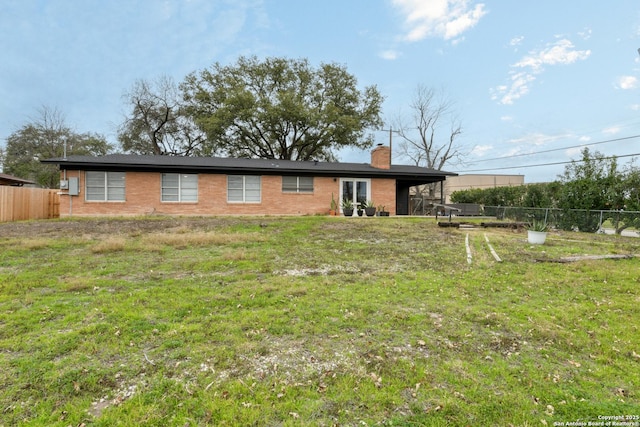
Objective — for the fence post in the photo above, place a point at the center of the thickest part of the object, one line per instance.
(600, 222)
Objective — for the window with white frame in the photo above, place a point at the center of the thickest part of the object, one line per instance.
(297, 184)
(179, 187)
(244, 189)
(101, 186)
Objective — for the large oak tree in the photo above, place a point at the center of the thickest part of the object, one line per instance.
(281, 109)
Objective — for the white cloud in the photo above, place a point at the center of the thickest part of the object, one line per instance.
(446, 19)
(560, 52)
(586, 34)
(635, 107)
(389, 54)
(512, 152)
(523, 73)
(516, 41)
(627, 82)
(611, 130)
(572, 152)
(507, 94)
(537, 139)
(481, 150)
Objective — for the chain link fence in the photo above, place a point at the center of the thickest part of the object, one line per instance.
(564, 219)
(569, 219)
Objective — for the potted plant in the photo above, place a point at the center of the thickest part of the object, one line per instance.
(347, 207)
(537, 232)
(333, 210)
(382, 211)
(369, 208)
(360, 208)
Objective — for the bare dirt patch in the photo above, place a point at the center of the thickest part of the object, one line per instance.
(119, 226)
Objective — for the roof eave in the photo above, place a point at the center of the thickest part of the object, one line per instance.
(321, 169)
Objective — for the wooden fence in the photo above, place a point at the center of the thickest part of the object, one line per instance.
(22, 203)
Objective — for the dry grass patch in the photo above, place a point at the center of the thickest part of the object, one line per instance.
(110, 244)
(27, 243)
(184, 240)
(36, 243)
(235, 255)
(76, 284)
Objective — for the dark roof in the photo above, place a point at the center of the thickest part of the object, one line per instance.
(14, 180)
(241, 166)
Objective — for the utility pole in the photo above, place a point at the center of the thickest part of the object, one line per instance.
(390, 130)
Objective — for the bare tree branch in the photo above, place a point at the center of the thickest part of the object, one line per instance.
(425, 138)
(157, 123)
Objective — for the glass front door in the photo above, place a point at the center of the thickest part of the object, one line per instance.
(356, 190)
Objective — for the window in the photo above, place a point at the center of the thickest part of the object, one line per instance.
(243, 189)
(179, 187)
(104, 186)
(297, 184)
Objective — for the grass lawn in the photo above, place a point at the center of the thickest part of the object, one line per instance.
(322, 321)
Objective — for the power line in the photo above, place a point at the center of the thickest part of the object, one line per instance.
(558, 149)
(546, 164)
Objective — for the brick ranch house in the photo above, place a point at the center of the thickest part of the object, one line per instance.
(138, 185)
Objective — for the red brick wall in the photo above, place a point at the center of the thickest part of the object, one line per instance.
(381, 157)
(143, 198)
(383, 192)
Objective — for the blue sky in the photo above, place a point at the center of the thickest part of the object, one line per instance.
(531, 81)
